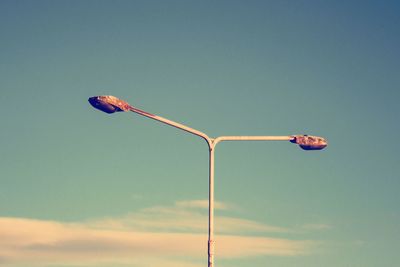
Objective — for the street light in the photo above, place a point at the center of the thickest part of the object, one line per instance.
(111, 104)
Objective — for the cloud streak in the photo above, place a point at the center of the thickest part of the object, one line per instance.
(202, 204)
(147, 238)
(184, 216)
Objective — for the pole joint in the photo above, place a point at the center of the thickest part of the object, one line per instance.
(211, 143)
(211, 245)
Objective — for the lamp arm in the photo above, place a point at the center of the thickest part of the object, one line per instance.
(172, 123)
(253, 138)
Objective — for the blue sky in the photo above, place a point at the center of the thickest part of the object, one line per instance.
(83, 188)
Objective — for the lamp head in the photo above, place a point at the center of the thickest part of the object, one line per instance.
(309, 142)
(109, 104)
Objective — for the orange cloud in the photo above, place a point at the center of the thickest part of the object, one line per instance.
(135, 240)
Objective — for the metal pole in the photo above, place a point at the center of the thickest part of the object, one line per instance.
(211, 241)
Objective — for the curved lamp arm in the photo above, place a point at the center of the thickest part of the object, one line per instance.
(306, 142)
(111, 104)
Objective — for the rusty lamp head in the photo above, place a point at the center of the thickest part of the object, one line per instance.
(109, 104)
(309, 142)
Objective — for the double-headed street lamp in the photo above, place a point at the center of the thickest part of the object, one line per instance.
(111, 104)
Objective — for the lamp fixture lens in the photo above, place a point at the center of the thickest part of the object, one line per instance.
(309, 142)
(109, 104)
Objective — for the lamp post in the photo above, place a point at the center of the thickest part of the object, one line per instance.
(111, 104)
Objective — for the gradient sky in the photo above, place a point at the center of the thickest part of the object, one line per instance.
(82, 188)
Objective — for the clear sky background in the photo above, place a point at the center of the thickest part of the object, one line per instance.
(82, 188)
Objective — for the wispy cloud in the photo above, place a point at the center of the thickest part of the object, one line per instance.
(184, 216)
(158, 236)
(202, 204)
